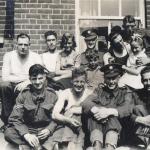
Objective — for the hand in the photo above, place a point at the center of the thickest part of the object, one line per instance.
(32, 139)
(21, 86)
(44, 134)
(74, 122)
(144, 120)
(142, 61)
(69, 113)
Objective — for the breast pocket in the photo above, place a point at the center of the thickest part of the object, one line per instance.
(29, 112)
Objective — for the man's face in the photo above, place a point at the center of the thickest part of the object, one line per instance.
(146, 80)
(38, 82)
(79, 84)
(90, 43)
(118, 42)
(111, 82)
(129, 28)
(51, 42)
(23, 45)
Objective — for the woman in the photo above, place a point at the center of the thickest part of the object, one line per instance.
(66, 59)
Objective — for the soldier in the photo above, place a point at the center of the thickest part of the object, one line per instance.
(90, 37)
(30, 124)
(142, 111)
(105, 107)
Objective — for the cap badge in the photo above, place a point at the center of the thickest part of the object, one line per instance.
(89, 31)
(110, 67)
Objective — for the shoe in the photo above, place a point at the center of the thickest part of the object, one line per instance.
(2, 129)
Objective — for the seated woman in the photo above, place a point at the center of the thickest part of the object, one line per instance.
(68, 112)
(132, 77)
(66, 59)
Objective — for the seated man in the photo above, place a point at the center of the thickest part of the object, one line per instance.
(70, 135)
(15, 69)
(142, 111)
(104, 108)
(30, 124)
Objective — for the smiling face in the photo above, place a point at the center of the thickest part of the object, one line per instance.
(23, 45)
(51, 42)
(91, 43)
(111, 82)
(136, 47)
(79, 84)
(146, 80)
(38, 81)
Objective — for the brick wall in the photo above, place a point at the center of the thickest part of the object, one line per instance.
(35, 17)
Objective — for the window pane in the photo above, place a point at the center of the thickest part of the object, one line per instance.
(88, 7)
(130, 7)
(110, 7)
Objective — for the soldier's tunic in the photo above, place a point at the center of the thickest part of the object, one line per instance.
(120, 98)
(31, 114)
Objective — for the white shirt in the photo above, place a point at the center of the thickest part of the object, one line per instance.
(15, 69)
(50, 60)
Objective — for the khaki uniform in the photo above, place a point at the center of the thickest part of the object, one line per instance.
(31, 114)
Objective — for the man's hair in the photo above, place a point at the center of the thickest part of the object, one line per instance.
(36, 69)
(79, 72)
(65, 38)
(128, 19)
(48, 33)
(145, 70)
(23, 35)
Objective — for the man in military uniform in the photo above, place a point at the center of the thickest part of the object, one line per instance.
(30, 124)
(141, 113)
(105, 107)
(90, 37)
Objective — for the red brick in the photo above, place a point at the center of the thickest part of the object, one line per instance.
(33, 1)
(56, 11)
(21, 1)
(33, 31)
(45, 11)
(2, 4)
(33, 5)
(33, 11)
(22, 21)
(44, 21)
(44, 26)
(45, 5)
(45, 1)
(44, 16)
(33, 21)
(67, 11)
(56, 21)
(56, 6)
(21, 10)
(32, 26)
(68, 1)
(67, 21)
(56, 17)
(33, 16)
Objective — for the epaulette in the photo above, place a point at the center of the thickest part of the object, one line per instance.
(127, 88)
(25, 89)
(51, 90)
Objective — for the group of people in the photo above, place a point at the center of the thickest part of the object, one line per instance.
(63, 100)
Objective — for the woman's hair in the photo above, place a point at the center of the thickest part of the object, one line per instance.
(65, 38)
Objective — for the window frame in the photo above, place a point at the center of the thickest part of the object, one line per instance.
(78, 17)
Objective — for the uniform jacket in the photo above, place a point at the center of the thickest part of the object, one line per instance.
(120, 98)
(33, 111)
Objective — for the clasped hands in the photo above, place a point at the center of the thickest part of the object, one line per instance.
(102, 113)
(33, 139)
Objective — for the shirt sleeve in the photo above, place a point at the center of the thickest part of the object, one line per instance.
(16, 117)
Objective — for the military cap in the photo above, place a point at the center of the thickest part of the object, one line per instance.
(89, 34)
(112, 70)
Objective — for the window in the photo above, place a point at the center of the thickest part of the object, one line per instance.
(104, 14)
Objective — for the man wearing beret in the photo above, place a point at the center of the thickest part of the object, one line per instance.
(141, 113)
(105, 107)
(90, 37)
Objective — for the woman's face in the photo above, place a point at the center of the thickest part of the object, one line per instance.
(68, 46)
(136, 47)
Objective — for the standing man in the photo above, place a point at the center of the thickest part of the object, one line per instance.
(90, 37)
(30, 124)
(105, 107)
(15, 69)
(50, 57)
